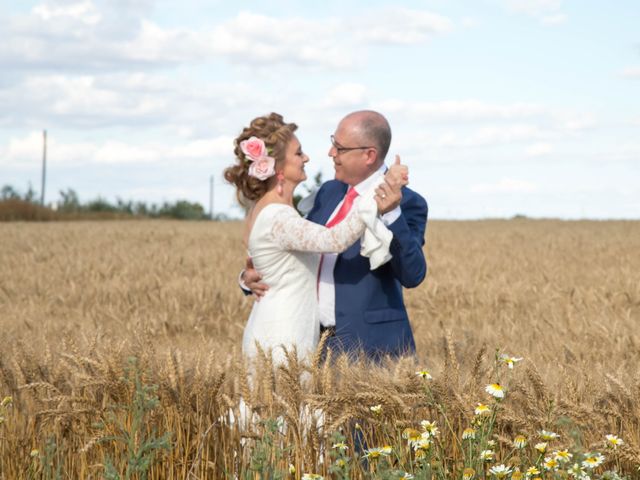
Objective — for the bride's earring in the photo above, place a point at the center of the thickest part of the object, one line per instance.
(280, 182)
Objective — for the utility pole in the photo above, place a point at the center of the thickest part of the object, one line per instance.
(44, 164)
(211, 198)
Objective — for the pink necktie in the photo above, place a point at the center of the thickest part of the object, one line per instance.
(344, 208)
(339, 216)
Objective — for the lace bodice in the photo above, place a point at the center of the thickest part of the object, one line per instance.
(285, 250)
(293, 232)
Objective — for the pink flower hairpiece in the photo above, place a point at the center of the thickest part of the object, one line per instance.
(255, 151)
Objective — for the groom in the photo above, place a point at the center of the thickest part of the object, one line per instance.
(362, 308)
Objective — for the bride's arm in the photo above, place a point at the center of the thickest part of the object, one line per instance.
(292, 232)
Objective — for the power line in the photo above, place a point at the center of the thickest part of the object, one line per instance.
(44, 165)
(211, 197)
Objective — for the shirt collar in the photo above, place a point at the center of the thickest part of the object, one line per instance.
(371, 180)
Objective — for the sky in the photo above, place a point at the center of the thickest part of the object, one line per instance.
(498, 107)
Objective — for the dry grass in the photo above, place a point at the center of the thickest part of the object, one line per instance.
(78, 299)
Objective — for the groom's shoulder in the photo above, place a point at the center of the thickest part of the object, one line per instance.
(414, 198)
(331, 186)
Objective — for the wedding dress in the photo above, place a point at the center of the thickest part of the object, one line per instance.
(285, 249)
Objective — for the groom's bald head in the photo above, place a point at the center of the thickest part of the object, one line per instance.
(359, 145)
(371, 128)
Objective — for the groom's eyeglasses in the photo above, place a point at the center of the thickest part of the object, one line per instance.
(340, 149)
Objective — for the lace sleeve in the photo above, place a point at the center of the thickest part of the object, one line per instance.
(292, 232)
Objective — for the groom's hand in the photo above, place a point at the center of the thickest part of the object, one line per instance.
(389, 194)
(251, 278)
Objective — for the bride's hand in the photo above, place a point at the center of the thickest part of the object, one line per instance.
(389, 194)
(397, 174)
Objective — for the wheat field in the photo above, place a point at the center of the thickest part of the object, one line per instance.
(119, 343)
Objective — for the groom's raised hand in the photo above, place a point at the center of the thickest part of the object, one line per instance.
(251, 279)
(389, 194)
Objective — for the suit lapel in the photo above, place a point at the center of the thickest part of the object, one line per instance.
(330, 202)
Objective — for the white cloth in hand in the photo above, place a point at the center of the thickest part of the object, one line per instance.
(376, 239)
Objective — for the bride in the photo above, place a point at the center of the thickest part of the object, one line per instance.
(284, 247)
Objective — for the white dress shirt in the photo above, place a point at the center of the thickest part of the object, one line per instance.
(326, 285)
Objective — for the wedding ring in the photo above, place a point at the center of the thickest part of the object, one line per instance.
(384, 195)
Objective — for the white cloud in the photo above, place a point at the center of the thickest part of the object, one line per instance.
(505, 185)
(631, 72)
(154, 44)
(346, 96)
(547, 11)
(252, 38)
(95, 43)
(625, 152)
(534, 7)
(84, 12)
(462, 110)
(474, 123)
(489, 136)
(118, 152)
(23, 151)
(26, 152)
(400, 26)
(221, 146)
(259, 39)
(556, 19)
(575, 122)
(469, 22)
(538, 150)
(78, 101)
(493, 135)
(91, 36)
(94, 101)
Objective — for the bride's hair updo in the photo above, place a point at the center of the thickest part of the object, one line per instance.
(276, 135)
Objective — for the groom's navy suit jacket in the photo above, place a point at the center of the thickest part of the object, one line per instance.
(370, 310)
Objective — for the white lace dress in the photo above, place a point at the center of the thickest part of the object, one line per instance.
(285, 249)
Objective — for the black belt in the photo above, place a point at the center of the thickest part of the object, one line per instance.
(331, 330)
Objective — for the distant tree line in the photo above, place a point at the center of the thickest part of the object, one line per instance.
(15, 205)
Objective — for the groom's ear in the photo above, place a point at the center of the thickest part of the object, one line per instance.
(372, 156)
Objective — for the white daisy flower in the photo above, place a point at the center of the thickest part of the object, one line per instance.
(430, 428)
(614, 441)
(593, 460)
(487, 455)
(576, 471)
(532, 471)
(482, 409)
(500, 471)
(468, 434)
(423, 443)
(563, 456)
(495, 389)
(520, 441)
(377, 452)
(550, 463)
(547, 435)
(541, 446)
(509, 360)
